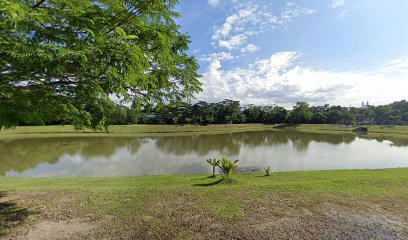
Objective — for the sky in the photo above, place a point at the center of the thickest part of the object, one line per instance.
(263, 52)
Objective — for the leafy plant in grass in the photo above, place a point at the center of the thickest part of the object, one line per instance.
(267, 170)
(214, 163)
(227, 166)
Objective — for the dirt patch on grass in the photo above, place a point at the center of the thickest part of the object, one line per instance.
(184, 214)
(48, 230)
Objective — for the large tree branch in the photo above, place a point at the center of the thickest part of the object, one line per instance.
(38, 3)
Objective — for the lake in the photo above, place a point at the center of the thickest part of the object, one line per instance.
(134, 156)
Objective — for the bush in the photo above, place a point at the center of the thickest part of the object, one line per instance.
(227, 166)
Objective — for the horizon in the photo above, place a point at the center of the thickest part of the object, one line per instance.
(262, 52)
(365, 103)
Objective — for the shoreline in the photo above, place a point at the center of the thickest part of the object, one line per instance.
(252, 171)
(29, 132)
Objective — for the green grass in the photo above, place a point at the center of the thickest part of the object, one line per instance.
(164, 203)
(130, 130)
(373, 131)
(178, 130)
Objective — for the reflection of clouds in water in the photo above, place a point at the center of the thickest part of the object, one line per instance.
(148, 160)
(283, 151)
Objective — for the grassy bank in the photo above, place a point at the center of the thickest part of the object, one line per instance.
(374, 131)
(313, 205)
(174, 130)
(131, 130)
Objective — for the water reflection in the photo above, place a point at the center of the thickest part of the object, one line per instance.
(123, 156)
(20, 155)
(230, 144)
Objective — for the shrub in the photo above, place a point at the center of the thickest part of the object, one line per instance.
(227, 166)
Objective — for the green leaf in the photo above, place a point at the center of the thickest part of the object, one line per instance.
(131, 37)
(120, 31)
(91, 32)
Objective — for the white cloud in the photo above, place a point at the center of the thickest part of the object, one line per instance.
(251, 19)
(340, 6)
(280, 80)
(238, 19)
(337, 4)
(397, 66)
(292, 11)
(214, 3)
(250, 48)
(216, 56)
(233, 42)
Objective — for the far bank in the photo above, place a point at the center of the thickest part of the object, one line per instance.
(374, 131)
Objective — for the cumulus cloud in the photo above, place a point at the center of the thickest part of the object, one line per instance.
(279, 79)
(250, 48)
(251, 19)
(216, 56)
(233, 42)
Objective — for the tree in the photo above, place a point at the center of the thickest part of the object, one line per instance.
(229, 111)
(61, 58)
(348, 118)
(252, 114)
(134, 113)
(301, 113)
(276, 115)
(118, 115)
(334, 116)
(319, 118)
(203, 112)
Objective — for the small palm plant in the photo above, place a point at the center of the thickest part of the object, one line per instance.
(214, 163)
(227, 166)
(267, 170)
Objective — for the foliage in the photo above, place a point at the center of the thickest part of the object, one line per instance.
(62, 60)
(214, 163)
(276, 115)
(227, 166)
(253, 114)
(301, 113)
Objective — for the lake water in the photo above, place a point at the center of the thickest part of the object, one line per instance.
(131, 156)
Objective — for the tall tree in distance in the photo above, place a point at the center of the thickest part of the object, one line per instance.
(63, 59)
(301, 113)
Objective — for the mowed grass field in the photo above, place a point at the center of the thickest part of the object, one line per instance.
(349, 204)
(172, 130)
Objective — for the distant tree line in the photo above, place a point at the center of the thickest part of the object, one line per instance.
(232, 112)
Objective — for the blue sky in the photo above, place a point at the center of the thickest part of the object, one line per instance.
(280, 52)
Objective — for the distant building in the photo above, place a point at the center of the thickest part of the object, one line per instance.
(365, 105)
(320, 108)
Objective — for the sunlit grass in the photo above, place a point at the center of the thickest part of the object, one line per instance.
(169, 202)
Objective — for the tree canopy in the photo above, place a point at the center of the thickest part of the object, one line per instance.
(63, 60)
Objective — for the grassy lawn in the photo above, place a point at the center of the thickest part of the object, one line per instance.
(131, 130)
(350, 204)
(374, 131)
(174, 130)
